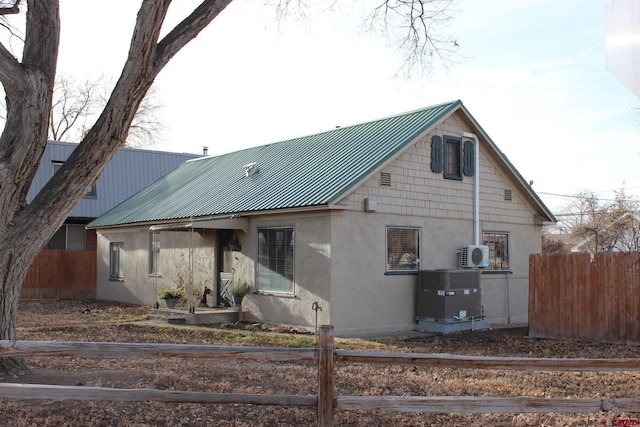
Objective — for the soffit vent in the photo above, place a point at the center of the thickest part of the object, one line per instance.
(507, 195)
(385, 179)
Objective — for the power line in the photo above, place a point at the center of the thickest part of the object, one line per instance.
(578, 196)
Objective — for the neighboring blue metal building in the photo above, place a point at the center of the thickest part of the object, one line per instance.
(130, 171)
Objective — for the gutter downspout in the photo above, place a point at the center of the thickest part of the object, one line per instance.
(476, 187)
(476, 209)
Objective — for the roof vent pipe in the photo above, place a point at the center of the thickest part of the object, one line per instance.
(250, 169)
(205, 150)
(476, 186)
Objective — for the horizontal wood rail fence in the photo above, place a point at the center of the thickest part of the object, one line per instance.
(325, 402)
(574, 296)
(60, 274)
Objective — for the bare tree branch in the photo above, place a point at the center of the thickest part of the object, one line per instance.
(416, 28)
(28, 83)
(29, 86)
(73, 103)
(606, 226)
(187, 30)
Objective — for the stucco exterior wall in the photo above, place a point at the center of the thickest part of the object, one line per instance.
(340, 253)
(313, 265)
(443, 210)
(138, 286)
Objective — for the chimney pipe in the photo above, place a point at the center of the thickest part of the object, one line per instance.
(205, 150)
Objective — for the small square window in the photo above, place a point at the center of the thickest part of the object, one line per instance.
(498, 244)
(92, 193)
(403, 249)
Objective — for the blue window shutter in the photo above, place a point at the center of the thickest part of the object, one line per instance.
(468, 167)
(437, 164)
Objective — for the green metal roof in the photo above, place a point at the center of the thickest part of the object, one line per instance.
(314, 170)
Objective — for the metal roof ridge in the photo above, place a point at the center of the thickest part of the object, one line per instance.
(451, 104)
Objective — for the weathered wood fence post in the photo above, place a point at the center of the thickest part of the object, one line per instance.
(326, 386)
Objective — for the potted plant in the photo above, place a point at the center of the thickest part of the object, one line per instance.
(171, 296)
(238, 291)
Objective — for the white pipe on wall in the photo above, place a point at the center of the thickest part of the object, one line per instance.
(476, 186)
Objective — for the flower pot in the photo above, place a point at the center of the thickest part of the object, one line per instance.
(171, 302)
(237, 300)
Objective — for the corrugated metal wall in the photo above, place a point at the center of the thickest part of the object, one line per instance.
(130, 171)
(571, 296)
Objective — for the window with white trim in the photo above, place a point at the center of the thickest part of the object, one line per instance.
(275, 266)
(498, 244)
(403, 249)
(116, 260)
(154, 253)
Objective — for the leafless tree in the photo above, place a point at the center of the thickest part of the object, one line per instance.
(73, 103)
(551, 245)
(76, 104)
(28, 79)
(605, 226)
(416, 29)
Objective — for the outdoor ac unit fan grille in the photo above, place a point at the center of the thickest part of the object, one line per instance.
(474, 256)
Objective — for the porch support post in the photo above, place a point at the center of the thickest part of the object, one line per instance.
(190, 295)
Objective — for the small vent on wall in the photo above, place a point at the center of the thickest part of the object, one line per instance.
(385, 179)
(507, 194)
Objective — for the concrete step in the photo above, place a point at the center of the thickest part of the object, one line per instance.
(201, 316)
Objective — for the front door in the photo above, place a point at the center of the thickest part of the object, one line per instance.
(225, 268)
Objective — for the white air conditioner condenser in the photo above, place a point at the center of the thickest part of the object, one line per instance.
(474, 256)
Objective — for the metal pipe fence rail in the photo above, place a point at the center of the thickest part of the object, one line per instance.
(326, 402)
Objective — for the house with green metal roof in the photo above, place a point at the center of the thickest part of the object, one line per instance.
(350, 220)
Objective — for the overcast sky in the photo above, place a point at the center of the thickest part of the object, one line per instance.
(532, 72)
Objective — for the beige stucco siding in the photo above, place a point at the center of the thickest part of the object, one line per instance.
(313, 257)
(340, 252)
(443, 209)
(138, 286)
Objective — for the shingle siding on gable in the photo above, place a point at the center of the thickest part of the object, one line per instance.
(417, 191)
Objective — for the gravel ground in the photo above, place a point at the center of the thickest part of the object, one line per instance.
(101, 321)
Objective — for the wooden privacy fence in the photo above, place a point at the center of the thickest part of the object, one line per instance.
(59, 274)
(325, 402)
(573, 296)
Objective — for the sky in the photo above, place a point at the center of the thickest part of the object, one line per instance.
(531, 72)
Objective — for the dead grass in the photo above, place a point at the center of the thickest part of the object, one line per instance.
(98, 321)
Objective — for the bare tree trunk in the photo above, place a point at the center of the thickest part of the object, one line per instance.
(28, 85)
(13, 271)
(25, 229)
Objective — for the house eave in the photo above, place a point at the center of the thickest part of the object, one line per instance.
(236, 221)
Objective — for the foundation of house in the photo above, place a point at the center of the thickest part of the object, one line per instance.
(200, 315)
(450, 325)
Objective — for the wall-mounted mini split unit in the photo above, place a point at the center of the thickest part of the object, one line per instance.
(474, 256)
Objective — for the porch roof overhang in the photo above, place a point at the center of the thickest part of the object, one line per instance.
(208, 223)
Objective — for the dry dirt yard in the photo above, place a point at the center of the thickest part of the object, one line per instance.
(100, 321)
